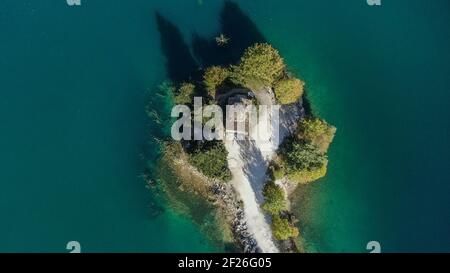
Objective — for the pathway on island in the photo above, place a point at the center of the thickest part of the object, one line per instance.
(248, 162)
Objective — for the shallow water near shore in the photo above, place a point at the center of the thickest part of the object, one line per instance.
(75, 137)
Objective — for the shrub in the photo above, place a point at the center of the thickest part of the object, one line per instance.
(274, 198)
(289, 91)
(276, 171)
(307, 176)
(317, 132)
(300, 156)
(261, 65)
(303, 161)
(214, 78)
(185, 93)
(276, 168)
(211, 160)
(282, 229)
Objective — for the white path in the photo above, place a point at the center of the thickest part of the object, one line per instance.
(248, 162)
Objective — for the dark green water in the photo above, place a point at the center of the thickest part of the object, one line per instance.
(75, 82)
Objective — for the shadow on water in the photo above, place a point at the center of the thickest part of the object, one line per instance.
(307, 105)
(237, 26)
(180, 64)
(208, 52)
(240, 28)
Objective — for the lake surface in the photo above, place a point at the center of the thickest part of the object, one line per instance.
(75, 137)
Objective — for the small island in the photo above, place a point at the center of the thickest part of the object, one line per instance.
(249, 181)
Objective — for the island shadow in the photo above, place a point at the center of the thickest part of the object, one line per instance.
(180, 64)
(238, 27)
(307, 105)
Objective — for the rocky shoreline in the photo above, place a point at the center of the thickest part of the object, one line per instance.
(229, 202)
(219, 194)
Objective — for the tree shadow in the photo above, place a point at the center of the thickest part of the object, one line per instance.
(180, 64)
(255, 167)
(237, 26)
(241, 30)
(208, 53)
(307, 105)
(289, 116)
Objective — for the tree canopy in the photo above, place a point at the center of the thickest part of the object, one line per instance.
(306, 176)
(317, 132)
(274, 198)
(261, 65)
(185, 93)
(301, 156)
(303, 161)
(214, 77)
(282, 229)
(289, 90)
(211, 160)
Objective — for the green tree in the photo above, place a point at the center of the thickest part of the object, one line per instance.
(274, 198)
(289, 91)
(317, 132)
(214, 78)
(185, 93)
(282, 229)
(211, 160)
(261, 65)
(307, 176)
(303, 161)
(276, 170)
(299, 155)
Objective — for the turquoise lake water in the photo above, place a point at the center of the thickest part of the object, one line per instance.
(74, 134)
